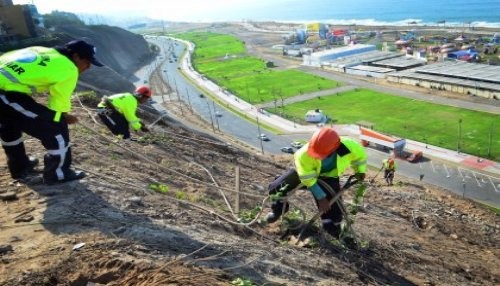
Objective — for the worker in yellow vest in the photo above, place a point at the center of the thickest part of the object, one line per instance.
(118, 111)
(35, 70)
(389, 165)
(326, 156)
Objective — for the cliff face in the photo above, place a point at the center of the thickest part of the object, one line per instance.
(121, 51)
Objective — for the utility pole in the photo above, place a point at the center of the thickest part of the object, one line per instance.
(189, 100)
(490, 140)
(459, 134)
(260, 139)
(216, 118)
(178, 97)
(210, 113)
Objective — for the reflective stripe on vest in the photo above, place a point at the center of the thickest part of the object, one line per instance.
(15, 80)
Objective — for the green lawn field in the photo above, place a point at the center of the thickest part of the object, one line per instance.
(221, 59)
(406, 118)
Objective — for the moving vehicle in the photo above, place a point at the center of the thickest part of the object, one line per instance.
(297, 144)
(264, 137)
(287, 150)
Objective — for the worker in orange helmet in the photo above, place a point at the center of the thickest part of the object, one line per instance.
(118, 111)
(325, 156)
(390, 167)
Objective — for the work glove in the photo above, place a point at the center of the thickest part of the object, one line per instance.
(144, 128)
(360, 177)
(70, 119)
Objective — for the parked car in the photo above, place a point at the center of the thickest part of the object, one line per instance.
(287, 150)
(218, 114)
(297, 144)
(264, 137)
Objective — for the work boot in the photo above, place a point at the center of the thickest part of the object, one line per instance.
(350, 243)
(278, 208)
(32, 163)
(69, 175)
(332, 229)
(272, 217)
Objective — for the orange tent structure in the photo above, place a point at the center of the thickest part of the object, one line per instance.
(370, 136)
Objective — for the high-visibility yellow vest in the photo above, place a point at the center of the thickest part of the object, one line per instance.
(40, 69)
(309, 168)
(386, 165)
(126, 104)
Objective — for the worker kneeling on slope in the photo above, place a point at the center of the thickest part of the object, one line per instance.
(325, 157)
(390, 167)
(35, 70)
(118, 111)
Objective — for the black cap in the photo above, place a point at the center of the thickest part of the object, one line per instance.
(84, 50)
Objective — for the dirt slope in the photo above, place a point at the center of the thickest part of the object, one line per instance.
(121, 51)
(184, 234)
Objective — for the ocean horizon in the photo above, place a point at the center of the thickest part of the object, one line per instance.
(456, 13)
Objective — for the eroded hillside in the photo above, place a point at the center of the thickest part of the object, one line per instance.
(158, 211)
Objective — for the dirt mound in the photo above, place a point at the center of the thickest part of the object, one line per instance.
(122, 52)
(159, 211)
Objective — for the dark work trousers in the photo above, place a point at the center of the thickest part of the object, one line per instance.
(388, 175)
(285, 183)
(20, 113)
(115, 121)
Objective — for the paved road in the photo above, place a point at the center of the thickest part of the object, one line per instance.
(227, 122)
(468, 182)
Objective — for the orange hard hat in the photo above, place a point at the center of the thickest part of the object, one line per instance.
(144, 91)
(390, 161)
(323, 143)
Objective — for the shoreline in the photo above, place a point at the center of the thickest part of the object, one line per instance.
(360, 27)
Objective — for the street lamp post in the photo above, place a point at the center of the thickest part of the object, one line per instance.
(215, 115)
(459, 134)
(260, 139)
(210, 114)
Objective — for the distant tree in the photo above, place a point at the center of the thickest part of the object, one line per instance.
(59, 18)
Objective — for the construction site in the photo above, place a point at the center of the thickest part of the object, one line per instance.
(184, 206)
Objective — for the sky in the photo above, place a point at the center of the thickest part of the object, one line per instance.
(184, 10)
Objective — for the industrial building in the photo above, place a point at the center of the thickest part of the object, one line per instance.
(18, 21)
(454, 76)
(319, 58)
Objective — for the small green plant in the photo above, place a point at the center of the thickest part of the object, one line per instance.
(242, 282)
(279, 194)
(159, 188)
(180, 195)
(313, 243)
(249, 215)
(293, 218)
(88, 98)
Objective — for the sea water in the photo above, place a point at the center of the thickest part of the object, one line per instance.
(473, 13)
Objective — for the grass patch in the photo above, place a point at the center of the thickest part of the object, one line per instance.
(223, 59)
(408, 118)
(212, 45)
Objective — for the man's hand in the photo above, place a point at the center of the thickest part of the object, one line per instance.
(70, 119)
(144, 128)
(360, 176)
(323, 205)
